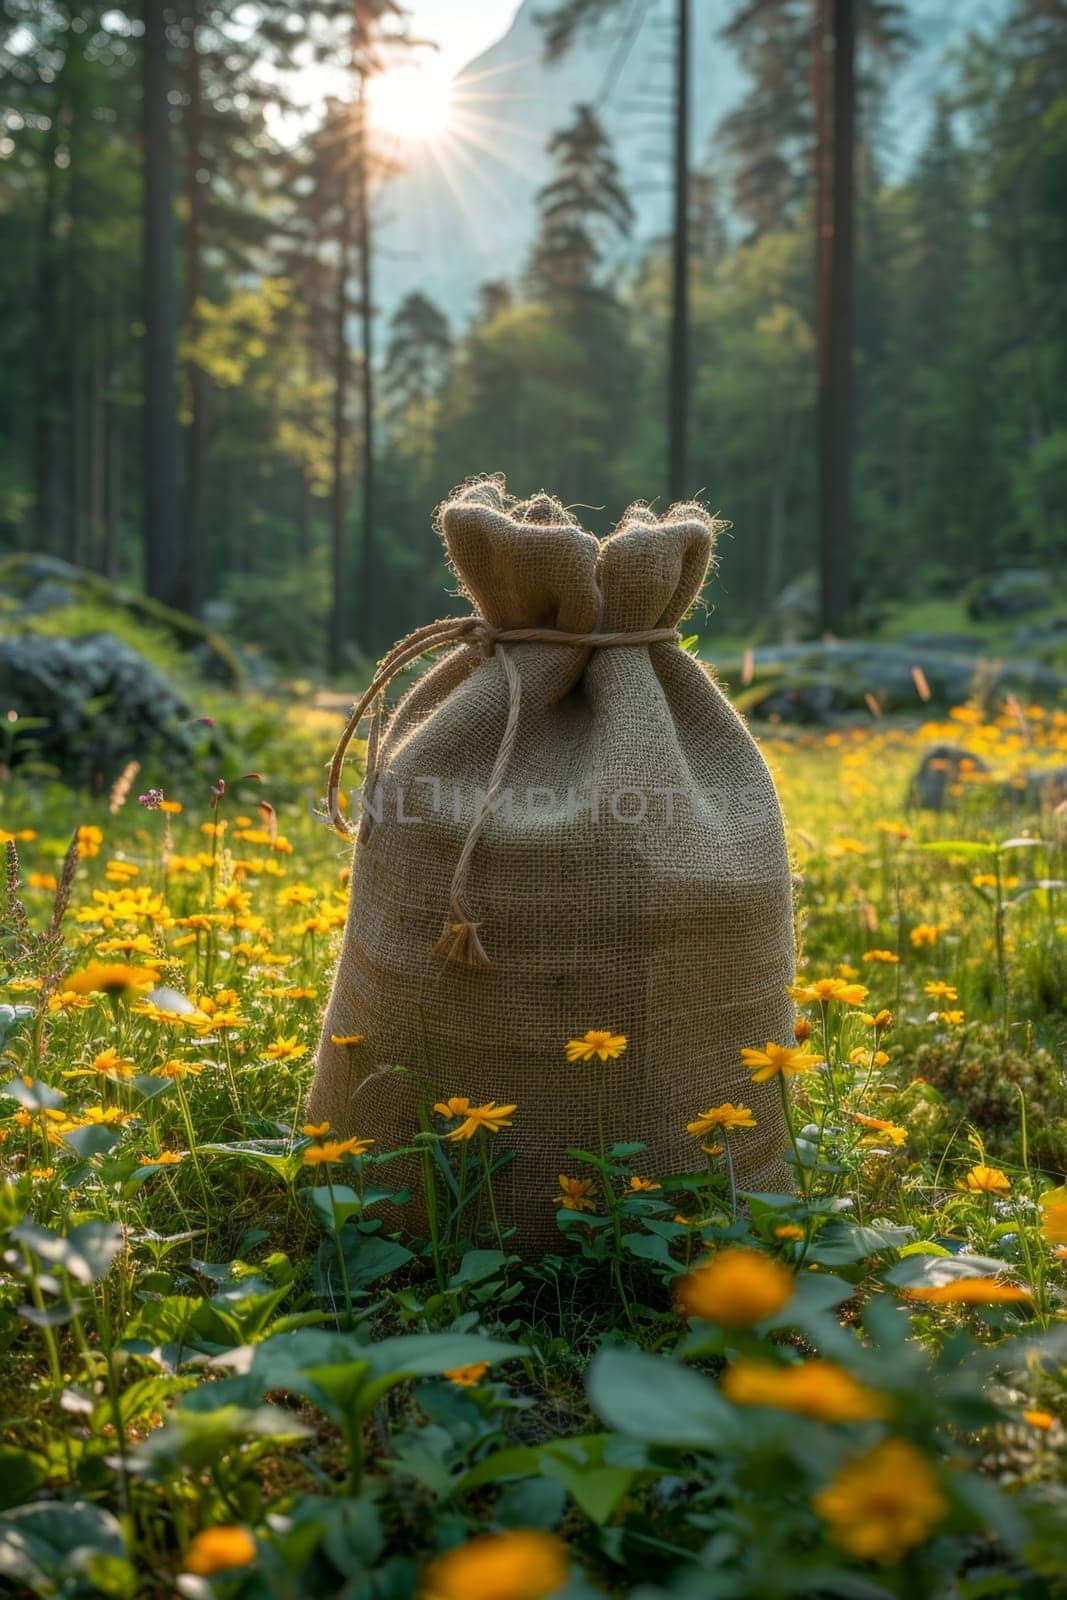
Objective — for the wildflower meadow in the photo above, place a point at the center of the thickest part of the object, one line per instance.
(231, 1369)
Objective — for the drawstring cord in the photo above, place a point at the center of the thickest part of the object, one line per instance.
(459, 940)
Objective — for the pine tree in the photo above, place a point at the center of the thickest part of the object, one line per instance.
(420, 348)
(772, 135)
(582, 208)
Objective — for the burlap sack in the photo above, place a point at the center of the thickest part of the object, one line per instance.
(632, 875)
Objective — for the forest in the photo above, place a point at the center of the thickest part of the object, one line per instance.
(202, 394)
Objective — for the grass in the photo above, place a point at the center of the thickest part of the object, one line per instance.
(224, 1376)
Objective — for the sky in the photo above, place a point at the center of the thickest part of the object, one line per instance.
(462, 28)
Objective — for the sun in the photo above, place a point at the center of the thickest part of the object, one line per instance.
(411, 103)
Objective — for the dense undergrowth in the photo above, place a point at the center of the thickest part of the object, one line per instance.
(222, 1375)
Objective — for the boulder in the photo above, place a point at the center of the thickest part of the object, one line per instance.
(101, 704)
(821, 681)
(942, 768)
(1009, 594)
(40, 583)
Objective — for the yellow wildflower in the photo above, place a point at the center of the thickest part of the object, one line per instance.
(970, 1292)
(880, 1130)
(111, 1065)
(778, 1059)
(456, 1106)
(926, 933)
(882, 1504)
(827, 991)
(468, 1377)
(320, 1155)
(726, 1116)
(114, 978)
(736, 1289)
(491, 1117)
(575, 1193)
(816, 1389)
(521, 1564)
(1054, 1215)
(880, 1021)
(219, 1550)
(88, 839)
(178, 1069)
(285, 1049)
(598, 1043)
(643, 1185)
(937, 989)
(886, 957)
(986, 1180)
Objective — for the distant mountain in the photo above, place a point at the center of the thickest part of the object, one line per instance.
(463, 211)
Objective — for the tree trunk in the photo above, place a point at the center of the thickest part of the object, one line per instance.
(776, 531)
(98, 434)
(160, 401)
(339, 608)
(304, 524)
(112, 553)
(678, 378)
(77, 442)
(834, 392)
(368, 563)
(191, 586)
(47, 469)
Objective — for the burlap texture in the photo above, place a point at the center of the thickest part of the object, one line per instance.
(675, 932)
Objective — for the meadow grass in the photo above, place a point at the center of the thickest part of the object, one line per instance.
(223, 1375)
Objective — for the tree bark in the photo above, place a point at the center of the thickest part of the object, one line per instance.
(160, 535)
(47, 471)
(368, 562)
(112, 552)
(191, 584)
(834, 413)
(678, 376)
(341, 366)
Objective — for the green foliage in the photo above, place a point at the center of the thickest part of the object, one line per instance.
(227, 1372)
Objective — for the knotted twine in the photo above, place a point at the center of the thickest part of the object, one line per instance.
(459, 940)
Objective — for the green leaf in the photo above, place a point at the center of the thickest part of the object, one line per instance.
(657, 1400)
(44, 1544)
(265, 1155)
(86, 1252)
(333, 1206)
(21, 1472)
(33, 1096)
(196, 1439)
(95, 1139)
(651, 1247)
(478, 1265)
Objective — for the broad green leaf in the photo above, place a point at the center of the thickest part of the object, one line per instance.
(196, 1439)
(86, 1252)
(657, 1400)
(478, 1265)
(95, 1139)
(33, 1096)
(267, 1155)
(21, 1472)
(42, 1545)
